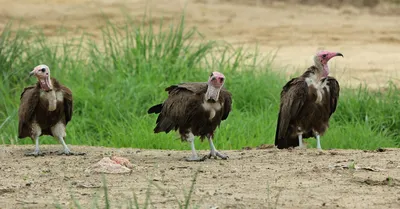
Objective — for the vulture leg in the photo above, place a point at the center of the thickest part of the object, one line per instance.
(66, 150)
(37, 150)
(36, 132)
(194, 156)
(214, 152)
(318, 142)
(59, 132)
(300, 140)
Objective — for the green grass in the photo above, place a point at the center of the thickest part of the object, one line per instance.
(114, 83)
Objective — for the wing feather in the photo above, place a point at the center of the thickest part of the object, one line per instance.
(29, 100)
(227, 102)
(68, 103)
(195, 87)
(293, 96)
(334, 89)
(183, 100)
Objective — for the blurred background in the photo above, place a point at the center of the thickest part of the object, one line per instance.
(367, 32)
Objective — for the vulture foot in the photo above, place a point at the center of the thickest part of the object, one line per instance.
(194, 159)
(68, 153)
(216, 154)
(34, 154)
(300, 147)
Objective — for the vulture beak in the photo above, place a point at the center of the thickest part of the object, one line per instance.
(32, 73)
(339, 54)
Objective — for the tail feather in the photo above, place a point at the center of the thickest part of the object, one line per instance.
(282, 133)
(164, 125)
(155, 109)
(291, 140)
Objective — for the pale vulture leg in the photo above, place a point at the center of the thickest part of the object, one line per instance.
(318, 142)
(36, 152)
(214, 152)
(300, 136)
(36, 132)
(59, 132)
(194, 156)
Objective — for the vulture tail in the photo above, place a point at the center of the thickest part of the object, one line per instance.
(155, 109)
(282, 129)
(164, 125)
(284, 134)
(278, 141)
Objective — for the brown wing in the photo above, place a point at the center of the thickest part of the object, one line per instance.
(293, 96)
(29, 100)
(68, 103)
(175, 89)
(182, 102)
(334, 89)
(195, 87)
(227, 103)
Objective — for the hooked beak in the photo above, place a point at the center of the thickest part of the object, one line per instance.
(32, 73)
(339, 54)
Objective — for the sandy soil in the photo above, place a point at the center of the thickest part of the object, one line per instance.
(369, 37)
(265, 178)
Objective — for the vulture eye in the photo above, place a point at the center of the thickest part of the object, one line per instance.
(324, 55)
(43, 69)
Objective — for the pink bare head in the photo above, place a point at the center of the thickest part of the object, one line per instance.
(216, 79)
(325, 56)
(321, 61)
(40, 71)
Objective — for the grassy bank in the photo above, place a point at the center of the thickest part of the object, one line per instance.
(115, 84)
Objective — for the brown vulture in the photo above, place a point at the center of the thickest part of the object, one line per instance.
(45, 109)
(307, 102)
(195, 109)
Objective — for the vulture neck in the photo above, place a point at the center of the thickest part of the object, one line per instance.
(46, 84)
(212, 93)
(322, 69)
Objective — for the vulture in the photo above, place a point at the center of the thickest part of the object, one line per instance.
(195, 109)
(45, 109)
(306, 104)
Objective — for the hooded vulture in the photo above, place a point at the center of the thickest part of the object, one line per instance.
(195, 109)
(307, 103)
(45, 109)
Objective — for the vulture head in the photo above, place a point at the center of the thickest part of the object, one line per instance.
(321, 60)
(42, 73)
(215, 83)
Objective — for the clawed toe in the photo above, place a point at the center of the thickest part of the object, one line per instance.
(224, 157)
(194, 159)
(216, 155)
(209, 156)
(300, 147)
(34, 154)
(69, 153)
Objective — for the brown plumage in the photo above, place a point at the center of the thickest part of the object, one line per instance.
(307, 103)
(194, 109)
(45, 109)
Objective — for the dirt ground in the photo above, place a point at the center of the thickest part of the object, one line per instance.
(265, 178)
(367, 33)
(368, 37)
